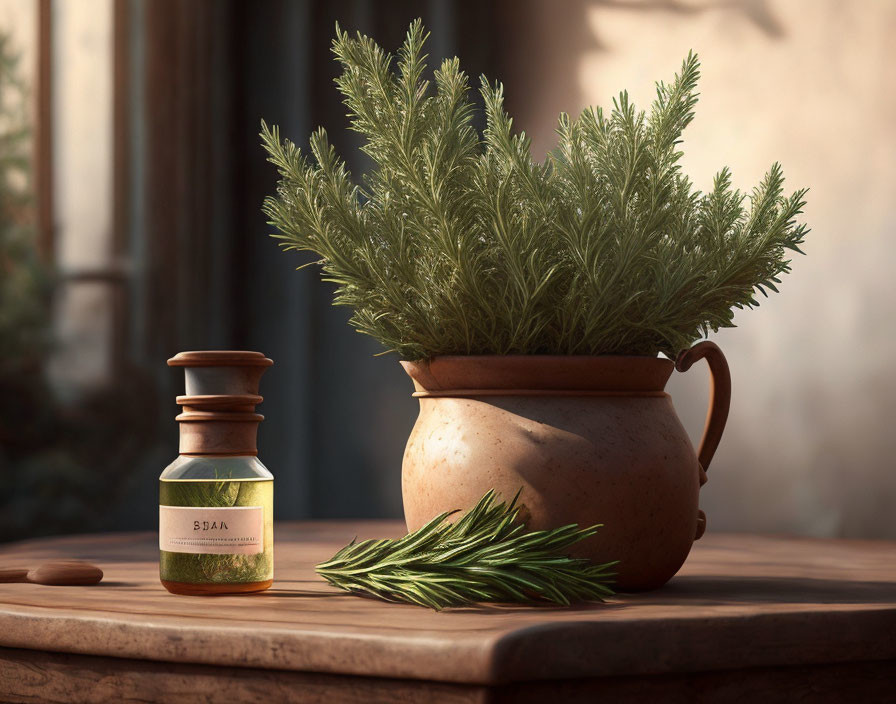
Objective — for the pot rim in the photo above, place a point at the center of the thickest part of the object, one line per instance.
(568, 374)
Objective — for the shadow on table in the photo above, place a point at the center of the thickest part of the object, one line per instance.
(683, 591)
(726, 590)
(719, 590)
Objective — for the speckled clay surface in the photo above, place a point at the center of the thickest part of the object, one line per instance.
(600, 444)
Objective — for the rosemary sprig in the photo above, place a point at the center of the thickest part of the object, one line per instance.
(484, 556)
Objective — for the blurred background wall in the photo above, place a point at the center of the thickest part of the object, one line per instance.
(144, 186)
(809, 446)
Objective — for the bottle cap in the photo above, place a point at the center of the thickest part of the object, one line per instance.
(218, 415)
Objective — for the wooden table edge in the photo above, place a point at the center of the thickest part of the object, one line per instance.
(680, 645)
(602, 648)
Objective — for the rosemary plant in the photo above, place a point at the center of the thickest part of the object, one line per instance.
(485, 556)
(459, 243)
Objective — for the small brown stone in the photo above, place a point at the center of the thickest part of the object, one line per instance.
(66, 573)
(11, 574)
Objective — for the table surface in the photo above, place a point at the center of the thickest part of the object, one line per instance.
(740, 601)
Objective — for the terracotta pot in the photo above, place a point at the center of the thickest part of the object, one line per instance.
(587, 439)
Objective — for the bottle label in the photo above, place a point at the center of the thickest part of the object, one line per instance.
(235, 530)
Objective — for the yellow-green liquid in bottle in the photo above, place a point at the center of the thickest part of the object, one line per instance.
(216, 534)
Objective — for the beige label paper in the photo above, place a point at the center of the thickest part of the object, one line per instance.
(235, 530)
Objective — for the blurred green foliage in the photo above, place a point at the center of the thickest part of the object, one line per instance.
(25, 285)
(61, 464)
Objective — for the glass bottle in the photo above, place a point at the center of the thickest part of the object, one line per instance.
(216, 499)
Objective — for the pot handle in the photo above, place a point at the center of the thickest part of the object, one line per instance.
(717, 415)
(719, 397)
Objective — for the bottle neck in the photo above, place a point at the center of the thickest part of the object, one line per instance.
(219, 425)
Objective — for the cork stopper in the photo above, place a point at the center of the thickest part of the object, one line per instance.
(219, 415)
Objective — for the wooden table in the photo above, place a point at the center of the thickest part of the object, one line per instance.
(749, 618)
